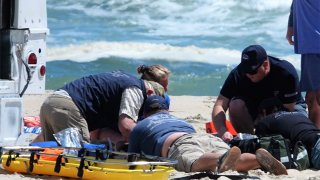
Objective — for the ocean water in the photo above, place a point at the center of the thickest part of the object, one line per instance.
(200, 41)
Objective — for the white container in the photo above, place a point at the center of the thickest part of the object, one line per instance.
(11, 122)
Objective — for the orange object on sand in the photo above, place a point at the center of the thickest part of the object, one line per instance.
(211, 129)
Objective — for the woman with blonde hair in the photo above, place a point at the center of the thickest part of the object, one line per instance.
(156, 73)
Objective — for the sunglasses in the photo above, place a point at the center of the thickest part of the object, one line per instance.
(253, 72)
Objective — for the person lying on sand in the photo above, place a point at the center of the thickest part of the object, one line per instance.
(161, 134)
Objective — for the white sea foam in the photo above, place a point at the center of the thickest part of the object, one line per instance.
(182, 18)
(147, 51)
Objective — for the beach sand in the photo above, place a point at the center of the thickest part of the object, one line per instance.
(195, 109)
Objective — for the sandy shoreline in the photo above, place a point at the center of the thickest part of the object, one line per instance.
(195, 109)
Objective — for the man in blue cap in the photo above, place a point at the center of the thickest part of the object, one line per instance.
(162, 134)
(256, 78)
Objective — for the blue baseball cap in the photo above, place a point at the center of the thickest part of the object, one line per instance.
(154, 103)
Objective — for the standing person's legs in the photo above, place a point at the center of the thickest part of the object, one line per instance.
(313, 106)
(240, 115)
(310, 82)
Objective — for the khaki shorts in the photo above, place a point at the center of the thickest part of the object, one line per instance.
(58, 113)
(190, 147)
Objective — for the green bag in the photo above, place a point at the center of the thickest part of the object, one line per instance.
(300, 156)
(279, 148)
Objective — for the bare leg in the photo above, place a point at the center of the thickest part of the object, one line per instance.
(247, 162)
(210, 161)
(313, 102)
(207, 162)
(239, 116)
(234, 160)
(262, 159)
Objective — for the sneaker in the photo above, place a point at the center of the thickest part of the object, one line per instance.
(228, 160)
(269, 163)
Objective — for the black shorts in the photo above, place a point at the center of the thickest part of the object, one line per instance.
(251, 106)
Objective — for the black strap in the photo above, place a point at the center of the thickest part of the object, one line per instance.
(216, 176)
(98, 154)
(80, 169)
(275, 149)
(31, 161)
(291, 161)
(57, 167)
(9, 158)
(132, 158)
(82, 152)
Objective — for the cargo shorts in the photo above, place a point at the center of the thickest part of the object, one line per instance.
(190, 147)
(60, 112)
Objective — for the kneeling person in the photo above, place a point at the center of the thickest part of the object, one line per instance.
(161, 134)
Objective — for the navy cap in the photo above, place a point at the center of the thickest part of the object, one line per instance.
(154, 103)
(252, 58)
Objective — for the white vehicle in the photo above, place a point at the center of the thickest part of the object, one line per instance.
(23, 32)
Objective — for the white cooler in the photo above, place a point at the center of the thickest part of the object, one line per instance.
(11, 122)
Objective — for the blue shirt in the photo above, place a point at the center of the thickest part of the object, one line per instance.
(149, 135)
(306, 24)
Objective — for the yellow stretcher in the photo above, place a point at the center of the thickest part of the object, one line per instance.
(118, 165)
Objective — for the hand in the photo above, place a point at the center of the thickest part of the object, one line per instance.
(289, 35)
(227, 136)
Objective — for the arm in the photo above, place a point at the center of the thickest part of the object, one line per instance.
(125, 125)
(219, 117)
(131, 102)
(290, 32)
(289, 92)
